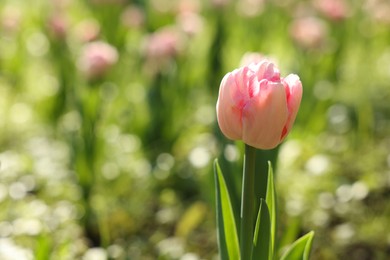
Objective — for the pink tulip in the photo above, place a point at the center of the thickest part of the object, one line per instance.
(257, 106)
(58, 26)
(250, 8)
(10, 19)
(161, 48)
(336, 10)
(309, 32)
(87, 30)
(96, 58)
(191, 23)
(164, 43)
(133, 17)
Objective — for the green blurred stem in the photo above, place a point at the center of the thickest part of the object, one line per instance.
(247, 203)
(89, 105)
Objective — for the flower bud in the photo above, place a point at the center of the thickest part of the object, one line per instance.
(257, 106)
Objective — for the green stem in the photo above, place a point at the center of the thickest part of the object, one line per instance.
(247, 203)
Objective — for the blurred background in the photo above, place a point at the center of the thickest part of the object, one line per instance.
(108, 130)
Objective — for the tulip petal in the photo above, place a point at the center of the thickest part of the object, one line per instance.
(228, 114)
(293, 87)
(265, 116)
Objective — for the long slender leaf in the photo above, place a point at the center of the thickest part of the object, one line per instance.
(262, 159)
(300, 249)
(44, 245)
(227, 229)
(290, 234)
(271, 203)
(262, 234)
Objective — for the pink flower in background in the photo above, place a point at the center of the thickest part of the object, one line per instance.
(58, 26)
(11, 18)
(133, 17)
(192, 6)
(57, 22)
(87, 30)
(250, 8)
(257, 106)
(188, 17)
(309, 32)
(164, 43)
(161, 48)
(334, 9)
(190, 22)
(97, 58)
(220, 3)
(60, 4)
(379, 10)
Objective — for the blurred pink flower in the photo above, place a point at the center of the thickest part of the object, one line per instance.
(11, 18)
(58, 26)
(257, 106)
(190, 22)
(333, 9)
(165, 43)
(96, 58)
(87, 30)
(250, 8)
(60, 4)
(161, 47)
(309, 32)
(133, 17)
(193, 6)
(379, 10)
(220, 3)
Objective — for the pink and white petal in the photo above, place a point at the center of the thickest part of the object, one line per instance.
(294, 86)
(228, 113)
(264, 117)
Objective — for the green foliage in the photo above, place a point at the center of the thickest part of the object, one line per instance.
(262, 239)
(264, 232)
(300, 249)
(226, 224)
(270, 202)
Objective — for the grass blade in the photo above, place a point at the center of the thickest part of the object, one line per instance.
(262, 234)
(271, 203)
(300, 249)
(226, 224)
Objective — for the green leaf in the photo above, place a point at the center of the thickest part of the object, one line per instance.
(300, 249)
(226, 226)
(271, 203)
(44, 246)
(262, 234)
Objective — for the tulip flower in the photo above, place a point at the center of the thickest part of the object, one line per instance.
(258, 106)
(309, 32)
(336, 10)
(96, 58)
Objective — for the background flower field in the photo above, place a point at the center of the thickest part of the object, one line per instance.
(107, 151)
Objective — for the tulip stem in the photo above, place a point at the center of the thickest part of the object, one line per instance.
(247, 203)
